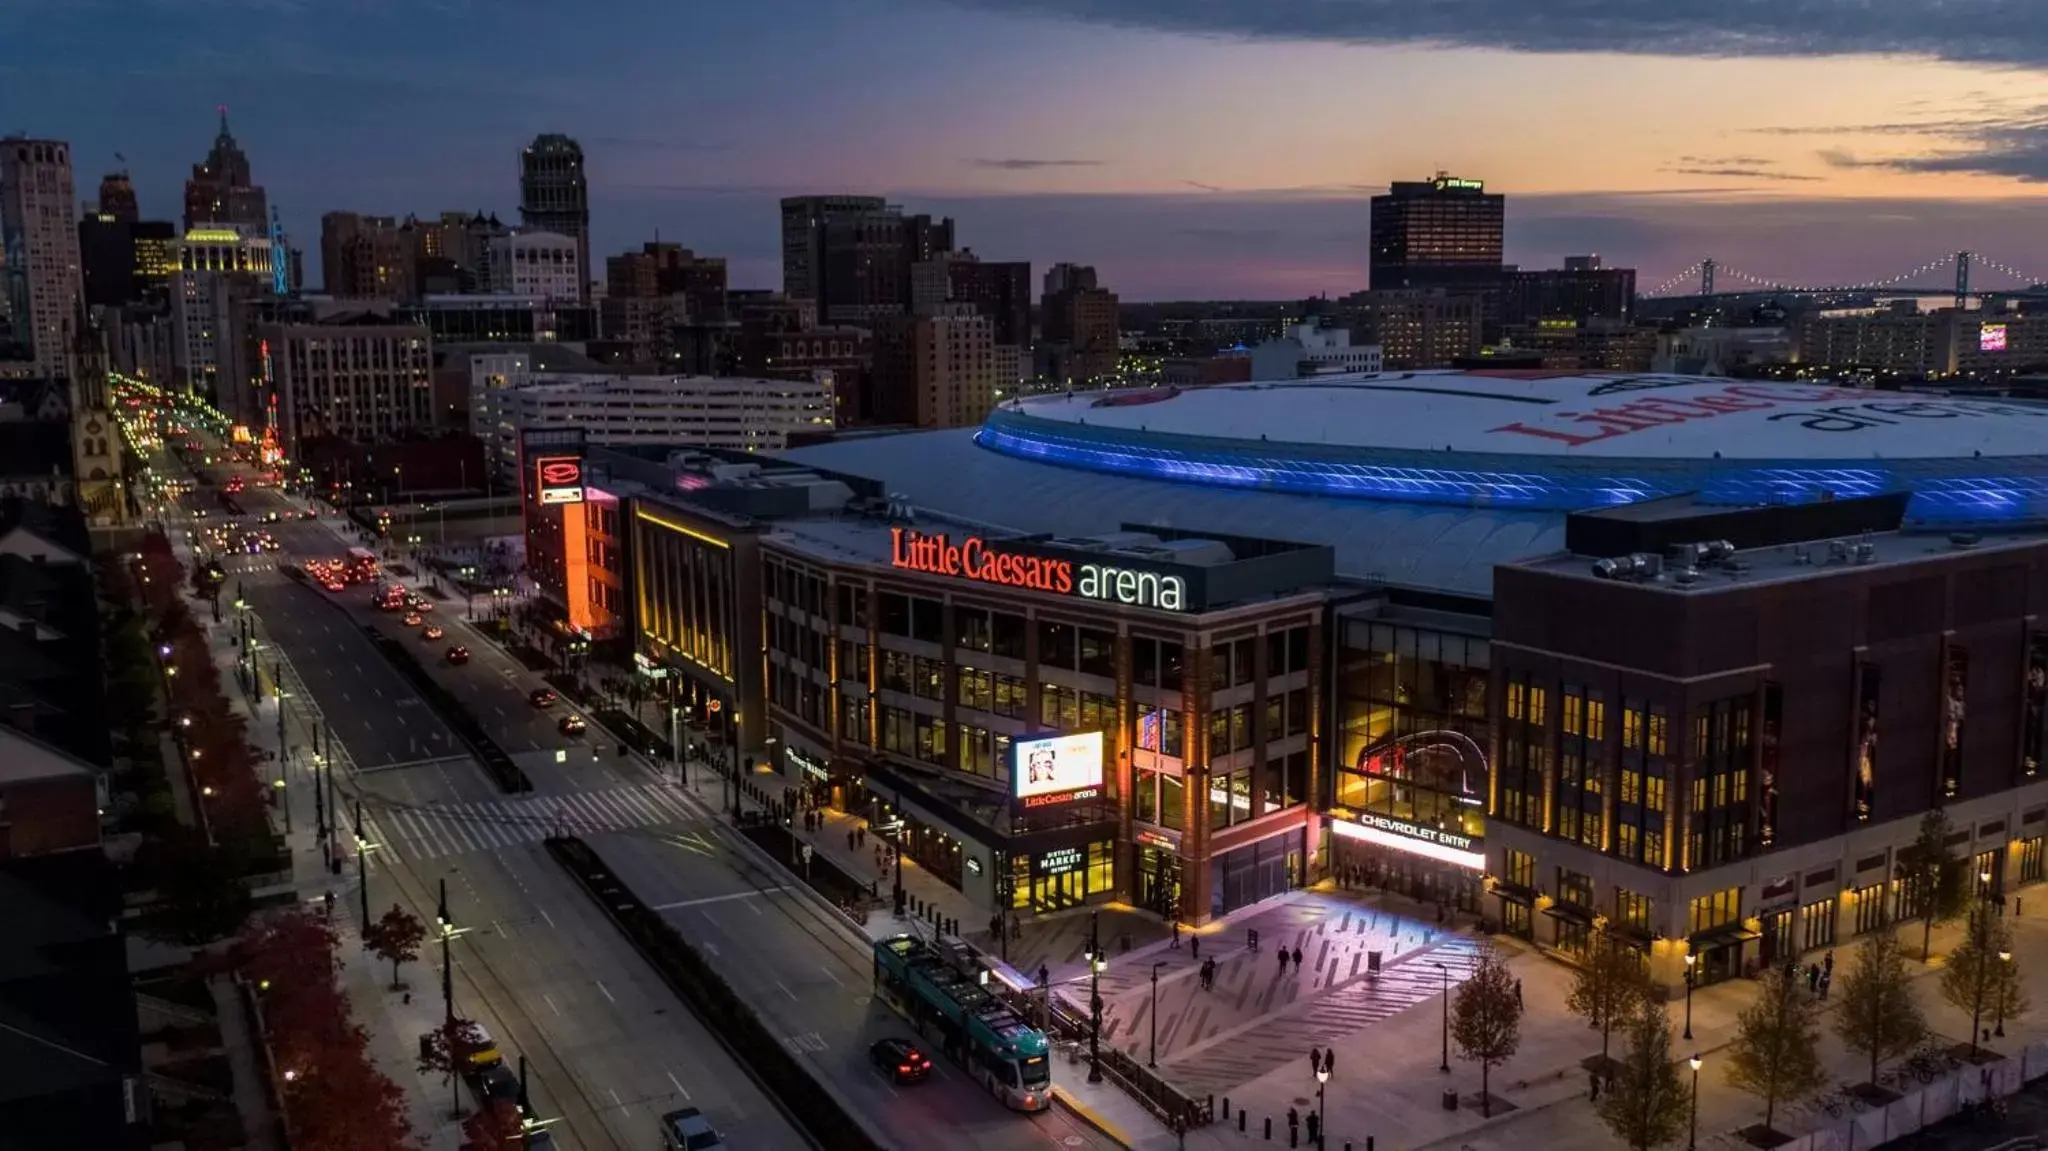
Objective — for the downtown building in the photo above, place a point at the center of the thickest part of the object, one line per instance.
(554, 197)
(39, 234)
(358, 377)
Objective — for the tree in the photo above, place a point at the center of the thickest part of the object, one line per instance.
(1486, 1020)
(1981, 976)
(1607, 988)
(1932, 869)
(396, 936)
(1776, 1051)
(200, 896)
(496, 1127)
(1879, 1015)
(445, 1051)
(1647, 1101)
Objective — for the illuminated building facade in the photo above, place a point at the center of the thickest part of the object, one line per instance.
(1717, 731)
(39, 236)
(1444, 232)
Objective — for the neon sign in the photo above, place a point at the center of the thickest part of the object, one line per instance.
(1407, 837)
(979, 560)
(559, 479)
(1991, 338)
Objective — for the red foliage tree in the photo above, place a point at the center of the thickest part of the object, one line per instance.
(495, 1128)
(335, 1098)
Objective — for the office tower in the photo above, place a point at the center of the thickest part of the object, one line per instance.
(38, 222)
(540, 265)
(1580, 291)
(117, 198)
(1081, 326)
(217, 268)
(935, 369)
(1415, 328)
(554, 196)
(868, 259)
(124, 261)
(221, 190)
(359, 377)
(652, 293)
(366, 257)
(1000, 290)
(1439, 233)
(804, 219)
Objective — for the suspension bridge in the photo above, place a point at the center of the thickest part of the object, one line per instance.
(1708, 278)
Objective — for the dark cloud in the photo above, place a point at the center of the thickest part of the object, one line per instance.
(1727, 161)
(1741, 173)
(1017, 165)
(1978, 31)
(2011, 143)
(1198, 185)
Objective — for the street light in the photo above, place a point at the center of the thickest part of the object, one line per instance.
(363, 846)
(1692, 1139)
(1152, 1059)
(1691, 961)
(1445, 1065)
(1096, 962)
(2004, 957)
(1323, 1066)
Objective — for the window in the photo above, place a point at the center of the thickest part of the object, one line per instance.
(1870, 908)
(1817, 924)
(1006, 635)
(1574, 887)
(1098, 653)
(971, 630)
(1057, 645)
(1521, 869)
(1632, 909)
(1716, 910)
(2030, 860)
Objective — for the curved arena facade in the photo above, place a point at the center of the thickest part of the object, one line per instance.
(1553, 442)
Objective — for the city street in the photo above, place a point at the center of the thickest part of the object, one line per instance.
(611, 1048)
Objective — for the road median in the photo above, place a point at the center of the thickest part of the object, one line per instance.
(738, 1028)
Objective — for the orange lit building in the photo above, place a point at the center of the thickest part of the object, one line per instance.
(573, 538)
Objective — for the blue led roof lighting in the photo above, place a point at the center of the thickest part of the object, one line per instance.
(1967, 463)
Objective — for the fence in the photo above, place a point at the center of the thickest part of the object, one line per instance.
(1942, 1099)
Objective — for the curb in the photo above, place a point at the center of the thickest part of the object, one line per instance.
(1088, 1115)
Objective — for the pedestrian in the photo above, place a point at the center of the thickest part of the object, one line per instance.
(1176, 936)
(1315, 1125)
(1825, 980)
(1813, 978)
(1293, 1126)
(849, 841)
(1518, 995)
(1195, 946)
(1315, 1058)
(1283, 961)
(1594, 1077)
(1827, 966)
(1296, 957)
(1330, 1061)
(328, 899)
(878, 855)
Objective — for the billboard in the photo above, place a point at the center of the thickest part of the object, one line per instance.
(1991, 338)
(1057, 768)
(559, 479)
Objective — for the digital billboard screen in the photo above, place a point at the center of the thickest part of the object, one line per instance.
(1057, 767)
(559, 479)
(1991, 338)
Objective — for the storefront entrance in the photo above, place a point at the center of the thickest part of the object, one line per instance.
(1254, 872)
(1421, 879)
(1158, 888)
(1062, 877)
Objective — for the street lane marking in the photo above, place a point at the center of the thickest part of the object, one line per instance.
(831, 976)
(607, 994)
(680, 1089)
(544, 915)
(699, 902)
(785, 989)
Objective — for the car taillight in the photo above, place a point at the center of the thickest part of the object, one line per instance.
(903, 1068)
(1031, 1101)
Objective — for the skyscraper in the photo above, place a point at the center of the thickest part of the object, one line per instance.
(804, 219)
(1438, 233)
(554, 196)
(38, 221)
(221, 190)
(117, 198)
(1081, 325)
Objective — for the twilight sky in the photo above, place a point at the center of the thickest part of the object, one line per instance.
(1188, 148)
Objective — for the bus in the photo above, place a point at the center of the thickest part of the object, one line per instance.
(978, 1031)
(361, 565)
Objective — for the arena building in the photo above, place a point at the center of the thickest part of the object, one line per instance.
(1575, 653)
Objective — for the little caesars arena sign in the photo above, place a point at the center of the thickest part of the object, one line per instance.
(977, 559)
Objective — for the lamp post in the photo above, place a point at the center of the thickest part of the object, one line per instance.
(447, 926)
(896, 893)
(1152, 1059)
(1323, 1066)
(2004, 957)
(1445, 1065)
(1095, 966)
(1691, 961)
(1692, 1138)
(363, 846)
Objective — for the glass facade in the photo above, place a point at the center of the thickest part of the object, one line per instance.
(685, 597)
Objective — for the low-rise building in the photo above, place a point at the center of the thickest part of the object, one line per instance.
(1308, 350)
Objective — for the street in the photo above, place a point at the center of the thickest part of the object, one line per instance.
(610, 1048)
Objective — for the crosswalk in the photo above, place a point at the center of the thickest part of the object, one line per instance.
(435, 831)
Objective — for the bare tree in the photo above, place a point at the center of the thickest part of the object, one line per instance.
(1981, 975)
(1879, 1015)
(1486, 1020)
(1647, 1101)
(1775, 1055)
(1607, 988)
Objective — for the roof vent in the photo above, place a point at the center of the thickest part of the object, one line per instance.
(1865, 552)
(1686, 577)
(1682, 555)
(1961, 540)
(1800, 555)
(1610, 569)
(1643, 565)
(1838, 552)
(1717, 551)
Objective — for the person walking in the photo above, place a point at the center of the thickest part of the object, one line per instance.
(1315, 1059)
(1315, 1126)
(1293, 1126)
(1518, 995)
(1175, 945)
(1283, 960)
(1297, 958)
(1195, 946)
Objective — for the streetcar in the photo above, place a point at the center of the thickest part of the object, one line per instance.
(949, 1004)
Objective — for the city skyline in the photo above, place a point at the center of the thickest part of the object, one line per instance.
(1207, 162)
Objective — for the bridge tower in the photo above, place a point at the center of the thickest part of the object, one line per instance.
(1962, 280)
(1706, 277)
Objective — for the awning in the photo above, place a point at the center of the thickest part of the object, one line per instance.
(1569, 913)
(1515, 893)
(1721, 936)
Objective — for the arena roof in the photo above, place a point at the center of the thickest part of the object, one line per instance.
(1432, 547)
(1553, 441)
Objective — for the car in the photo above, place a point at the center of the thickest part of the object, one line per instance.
(541, 697)
(432, 633)
(309, 514)
(686, 1129)
(412, 619)
(458, 655)
(336, 585)
(900, 1060)
(270, 517)
(571, 725)
(424, 605)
